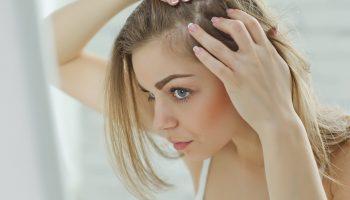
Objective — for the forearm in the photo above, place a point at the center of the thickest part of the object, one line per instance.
(75, 24)
(291, 170)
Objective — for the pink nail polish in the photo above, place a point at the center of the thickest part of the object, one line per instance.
(215, 19)
(230, 10)
(196, 50)
(192, 27)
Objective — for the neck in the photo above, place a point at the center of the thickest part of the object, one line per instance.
(245, 148)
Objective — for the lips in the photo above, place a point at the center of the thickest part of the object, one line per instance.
(181, 145)
(179, 141)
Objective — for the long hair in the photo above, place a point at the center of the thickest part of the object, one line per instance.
(129, 115)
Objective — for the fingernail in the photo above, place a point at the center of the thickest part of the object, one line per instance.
(215, 19)
(230, 10)
(174, 1)
(196, 50)
(192, 27)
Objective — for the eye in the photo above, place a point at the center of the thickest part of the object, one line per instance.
(181, 94)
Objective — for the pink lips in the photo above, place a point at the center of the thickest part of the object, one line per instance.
(181, 145)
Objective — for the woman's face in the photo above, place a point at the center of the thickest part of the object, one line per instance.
(200, 110)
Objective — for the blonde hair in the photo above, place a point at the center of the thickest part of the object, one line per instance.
(127, 132)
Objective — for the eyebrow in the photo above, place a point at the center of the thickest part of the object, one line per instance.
(159, 85)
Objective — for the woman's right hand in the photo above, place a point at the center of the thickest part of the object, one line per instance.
(174, 2)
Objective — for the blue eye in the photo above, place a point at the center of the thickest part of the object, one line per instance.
(181, 94)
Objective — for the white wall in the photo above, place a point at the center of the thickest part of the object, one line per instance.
(29, 167)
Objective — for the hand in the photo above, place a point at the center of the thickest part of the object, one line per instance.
(256, 77)
(174, 2)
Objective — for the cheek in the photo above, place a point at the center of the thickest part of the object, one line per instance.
(213, 121)
(215, 116)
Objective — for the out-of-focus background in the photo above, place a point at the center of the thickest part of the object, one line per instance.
(320, 29)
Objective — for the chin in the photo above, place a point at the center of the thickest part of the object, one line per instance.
(196, 156)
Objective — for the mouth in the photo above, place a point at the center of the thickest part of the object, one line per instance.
(178, 141)
(181, 145)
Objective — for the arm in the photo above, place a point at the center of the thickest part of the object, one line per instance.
(75, 24)
(290, 166)
(81, 74)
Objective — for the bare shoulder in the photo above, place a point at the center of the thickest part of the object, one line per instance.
(195, 170)
(341, 160)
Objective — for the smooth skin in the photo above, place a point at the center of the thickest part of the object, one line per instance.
(81, 75)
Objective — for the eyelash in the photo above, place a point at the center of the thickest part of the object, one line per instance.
(172, 90)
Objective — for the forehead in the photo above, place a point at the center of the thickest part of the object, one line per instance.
(154, 61)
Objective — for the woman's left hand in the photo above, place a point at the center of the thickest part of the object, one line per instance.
(256, 77)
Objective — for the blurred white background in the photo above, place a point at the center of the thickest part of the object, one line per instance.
(321, 30)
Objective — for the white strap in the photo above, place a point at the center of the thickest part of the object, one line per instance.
(203, 179)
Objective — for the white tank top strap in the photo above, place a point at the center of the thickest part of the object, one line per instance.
(203, 179)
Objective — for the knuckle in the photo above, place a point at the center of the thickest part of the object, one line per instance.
(237, 25)
(253, 22)
(240, 23)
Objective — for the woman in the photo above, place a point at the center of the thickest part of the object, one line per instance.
(238, 107)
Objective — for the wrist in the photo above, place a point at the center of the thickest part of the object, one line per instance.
(281, 124)
(289, 127)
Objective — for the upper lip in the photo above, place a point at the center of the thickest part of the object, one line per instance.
(177, 141)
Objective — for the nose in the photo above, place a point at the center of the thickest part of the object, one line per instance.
(164, 118)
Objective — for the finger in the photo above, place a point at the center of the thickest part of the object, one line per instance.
(252, 24)
(214, 46)
(224, 73)
(237, 30)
